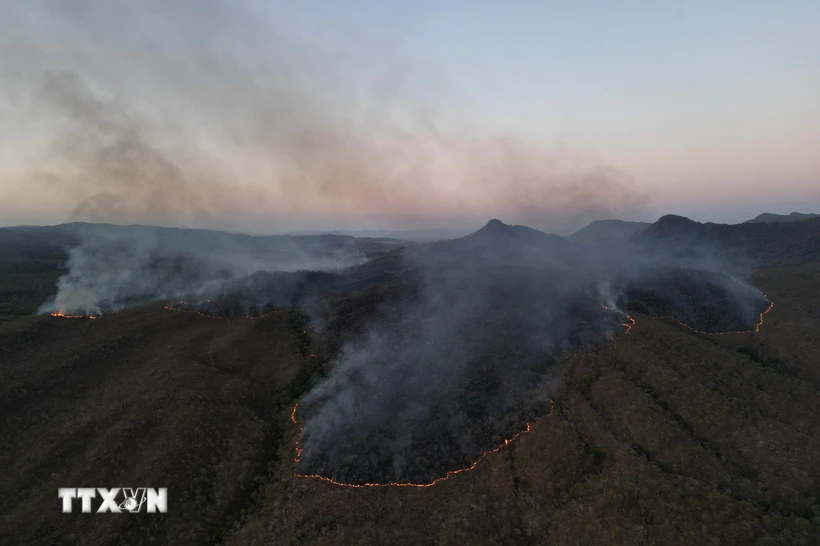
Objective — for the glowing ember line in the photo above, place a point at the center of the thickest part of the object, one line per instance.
(63, 315)
(449, 474)
(627, 325)
(756, 329)
(763, 314)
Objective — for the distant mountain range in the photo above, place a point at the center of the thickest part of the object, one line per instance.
(793, 217)
(416, 235)
(791, 238)
(766, 243)
(21, 243)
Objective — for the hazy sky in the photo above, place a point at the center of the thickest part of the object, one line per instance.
(269, 115)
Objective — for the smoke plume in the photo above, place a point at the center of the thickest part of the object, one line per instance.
(211, 114)
(113, 267)
(461, 351)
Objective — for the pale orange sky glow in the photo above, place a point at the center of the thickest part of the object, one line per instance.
(218, 115)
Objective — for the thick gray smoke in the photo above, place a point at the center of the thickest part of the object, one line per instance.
(437, 374)
(461, 351)
(113, 267)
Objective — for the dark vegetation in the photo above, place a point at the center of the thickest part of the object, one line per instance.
(672, 436)
(706, 301)
(605, 232)
(763, 243)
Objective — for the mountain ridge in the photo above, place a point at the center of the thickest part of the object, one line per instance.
(772, 217)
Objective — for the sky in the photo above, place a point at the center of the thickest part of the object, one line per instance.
(274, 116)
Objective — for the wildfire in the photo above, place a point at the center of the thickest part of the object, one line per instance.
(63, 315)
(627, 325)
(756, 329)
(298, 450)
(630, 322)
(763, 314)
(449, 474)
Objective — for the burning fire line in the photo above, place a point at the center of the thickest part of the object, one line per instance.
(63, 315)
(756, 329)
(449, 474)
(627, 325)
(763, 314)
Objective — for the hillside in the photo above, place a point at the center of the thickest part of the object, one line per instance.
(32, 258)
(498, 242)
(606, 232)
(598, 429)
(765, 243)
(671, 437)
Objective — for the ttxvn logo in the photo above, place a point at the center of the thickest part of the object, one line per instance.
(116, 499)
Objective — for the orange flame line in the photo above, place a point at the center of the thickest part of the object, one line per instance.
(628, 325)
(449, 474)
(63, 315)
(756, 329)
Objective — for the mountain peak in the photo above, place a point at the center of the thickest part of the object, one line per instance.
(496, 227)
(675, 219)
(496, 230)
